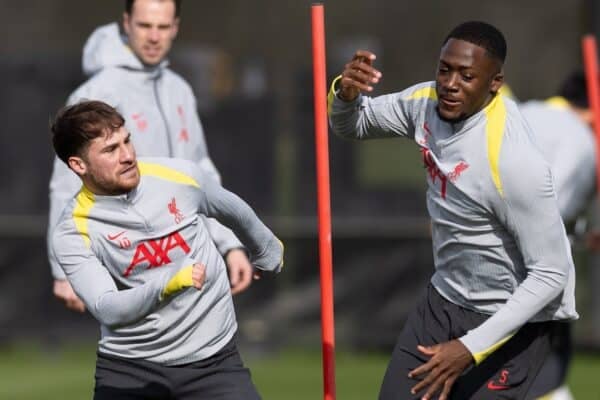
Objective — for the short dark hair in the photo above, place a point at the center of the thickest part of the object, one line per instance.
(483, 35)
(129, 6)
(76, 125)
(574, 89)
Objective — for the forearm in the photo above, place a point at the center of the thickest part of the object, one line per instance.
(114, 307)
(528, 210)
(384, 116)
(120, 307)
(532, 295)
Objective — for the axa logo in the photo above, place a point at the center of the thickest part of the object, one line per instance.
(172, 207)
(502, 383)
(155, 253)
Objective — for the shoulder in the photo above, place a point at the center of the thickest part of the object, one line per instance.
(514, 159)
(411, 101)
(71, 228)
(420, 91)
(99, 87)
(524, 172)
(172, 170)
(507, 125)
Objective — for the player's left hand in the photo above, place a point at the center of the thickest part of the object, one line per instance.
(448, 360)
(240, 270)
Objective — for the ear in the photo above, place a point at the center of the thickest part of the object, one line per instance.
(175, 28)
(78, 165)
(126, 22)
(497, 82)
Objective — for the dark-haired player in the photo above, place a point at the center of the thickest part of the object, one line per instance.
(503, 269)
(133, 247)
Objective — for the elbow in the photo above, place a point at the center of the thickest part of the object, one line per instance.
(271, 259)
(110, 315)
(556, 279)
(110, 319)
(564, 274)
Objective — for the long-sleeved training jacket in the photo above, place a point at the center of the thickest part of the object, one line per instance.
(124, 256)
(499, 244)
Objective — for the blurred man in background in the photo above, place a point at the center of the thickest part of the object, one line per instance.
(133, 246)
(504, 276)
(562, 129)
(130, 72)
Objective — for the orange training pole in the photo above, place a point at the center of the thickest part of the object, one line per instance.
(323, 200)
(590, 61)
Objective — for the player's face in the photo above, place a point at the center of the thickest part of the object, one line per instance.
(466, 81)
(110, 166)
(151, 28)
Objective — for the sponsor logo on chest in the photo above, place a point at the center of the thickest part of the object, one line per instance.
(435, 174)
(156, 253)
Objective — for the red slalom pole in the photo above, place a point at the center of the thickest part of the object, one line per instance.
(590, 62)
(323, 200)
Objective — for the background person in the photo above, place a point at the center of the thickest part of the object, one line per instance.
(562, 127)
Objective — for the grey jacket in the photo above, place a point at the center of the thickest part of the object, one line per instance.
(120, 254)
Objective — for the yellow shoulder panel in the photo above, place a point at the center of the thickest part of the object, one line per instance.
(496, 121)
(426, 92)
(166, 173)
(84, 203)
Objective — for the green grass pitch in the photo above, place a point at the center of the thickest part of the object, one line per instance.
(28, 372)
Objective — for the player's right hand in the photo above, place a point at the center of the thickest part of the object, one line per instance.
(64, 292)
(190, 276)
(358, 76)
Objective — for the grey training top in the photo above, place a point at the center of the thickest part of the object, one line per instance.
(567, 143)
(119, 252)
(499, 243)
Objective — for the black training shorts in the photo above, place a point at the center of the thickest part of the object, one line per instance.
(222, 376)
(506, 374)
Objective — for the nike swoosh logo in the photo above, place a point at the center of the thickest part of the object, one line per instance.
(492, 386)
(113, 237)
